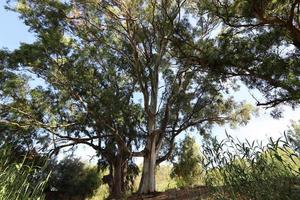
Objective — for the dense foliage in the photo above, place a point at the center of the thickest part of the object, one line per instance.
(257, 41)
(19, 180)
(243, 170)
(73, 178)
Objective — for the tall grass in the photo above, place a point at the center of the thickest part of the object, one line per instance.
(19, 181)
(244, 170)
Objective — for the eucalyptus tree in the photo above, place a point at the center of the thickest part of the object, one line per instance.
(257, 41)
(81, 99)
(175, 95)
(113, 73)
(68, 111)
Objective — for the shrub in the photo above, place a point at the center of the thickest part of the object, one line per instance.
(73, 178)
(251, 170)
(19, 181)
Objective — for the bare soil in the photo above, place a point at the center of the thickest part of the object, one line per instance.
(196, 193)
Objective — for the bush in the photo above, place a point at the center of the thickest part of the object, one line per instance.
(73, 178)
(252, 171)
(19, 181)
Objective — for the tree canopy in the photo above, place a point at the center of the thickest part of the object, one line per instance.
(257, 41)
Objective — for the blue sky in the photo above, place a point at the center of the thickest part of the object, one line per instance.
(13, 30)
(260, 128)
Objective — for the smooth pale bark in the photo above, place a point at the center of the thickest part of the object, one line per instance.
(147, 184)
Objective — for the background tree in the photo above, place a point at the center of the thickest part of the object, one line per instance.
(187, 169)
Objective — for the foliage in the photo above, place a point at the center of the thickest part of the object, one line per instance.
(257, 41)
(131, 175)
(187, 169)
(73, 178)
(252, 171)
(18, 180)
(101, 193)
(79, 100)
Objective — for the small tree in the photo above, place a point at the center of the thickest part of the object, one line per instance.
(187, 169)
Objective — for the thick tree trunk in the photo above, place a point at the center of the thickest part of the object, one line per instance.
(147, 184)
(116, 191)
(117, 182)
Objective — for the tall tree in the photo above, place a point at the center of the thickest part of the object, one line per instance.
(80, 100)
(175, 94)
(104, 119)
(99, 58)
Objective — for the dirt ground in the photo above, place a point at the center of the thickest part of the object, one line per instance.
(197, 193)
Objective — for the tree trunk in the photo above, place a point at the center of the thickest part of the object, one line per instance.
(147, 184)
(124, 173)
(115, 180)
(116, 187)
